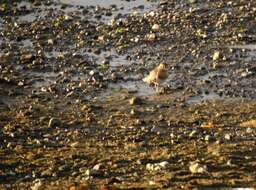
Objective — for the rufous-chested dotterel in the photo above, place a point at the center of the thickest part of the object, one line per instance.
(157, 75)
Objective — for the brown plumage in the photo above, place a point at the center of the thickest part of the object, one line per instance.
(157, 75)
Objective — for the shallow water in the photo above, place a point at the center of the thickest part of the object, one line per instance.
(248, 46)
(210, 75)
(204, 97)
(129, 87)
(127, 5)
(244, 52)
(115, 59)
(121, 7)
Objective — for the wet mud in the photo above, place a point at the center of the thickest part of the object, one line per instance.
(76, 114)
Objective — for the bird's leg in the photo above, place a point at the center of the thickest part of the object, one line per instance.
(156, 86)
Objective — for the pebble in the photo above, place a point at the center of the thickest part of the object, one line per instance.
(163, 164)
(46, 173)
(208, 138)
(92, 72)
(37, 184)
(197, 168)
(227, 137)
(97, 167)
(105, 62)
(216, 56)
(150, 167)
(152, 183)
(50, 41)
(135, 101)
(155, 27)
(158, 130)
(132, 112)
(157, 166)
(75, 144)
(26, 58)
(93, 173)
(193, 134)
(114, 77)
(151, 14)
(151, 37)
(249, 130)
(229, 163)
(54, 122)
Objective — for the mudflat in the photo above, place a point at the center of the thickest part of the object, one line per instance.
(75, 112)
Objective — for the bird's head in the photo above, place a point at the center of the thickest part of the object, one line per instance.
(162, 66)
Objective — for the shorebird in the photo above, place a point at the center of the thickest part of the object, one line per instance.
(157, 76)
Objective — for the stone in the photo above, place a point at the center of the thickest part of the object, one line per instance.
(54, 122)
(135, 101)
(227, 137)
(155, 27)
(216, 56)
(197, 168)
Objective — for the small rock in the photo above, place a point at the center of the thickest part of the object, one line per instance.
(93, 173)
(97, 167)
(158, 130)
(37, 184)
(135, 101)
(75, 144)
(105, 62)
(163, 164)
(92, 72)
(136, 39)
(229, 163)
(227, 137)
(102, 38)
(50, 41)
(152, 183)
(216, 56)
(132, 112)
(208, 125)
(96, 51)
(151, 14)
(114, 77)
(150, 167)
(155, 27)
(157, 166)
(27, 58)
(208, 138)
(54, 122)
(193, 134)
(249, 130)
(150, 37)
(196, 167)
(47, 173)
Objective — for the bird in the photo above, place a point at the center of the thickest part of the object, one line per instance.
(157, 76)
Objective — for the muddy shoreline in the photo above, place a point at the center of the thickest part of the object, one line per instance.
(75, 113)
